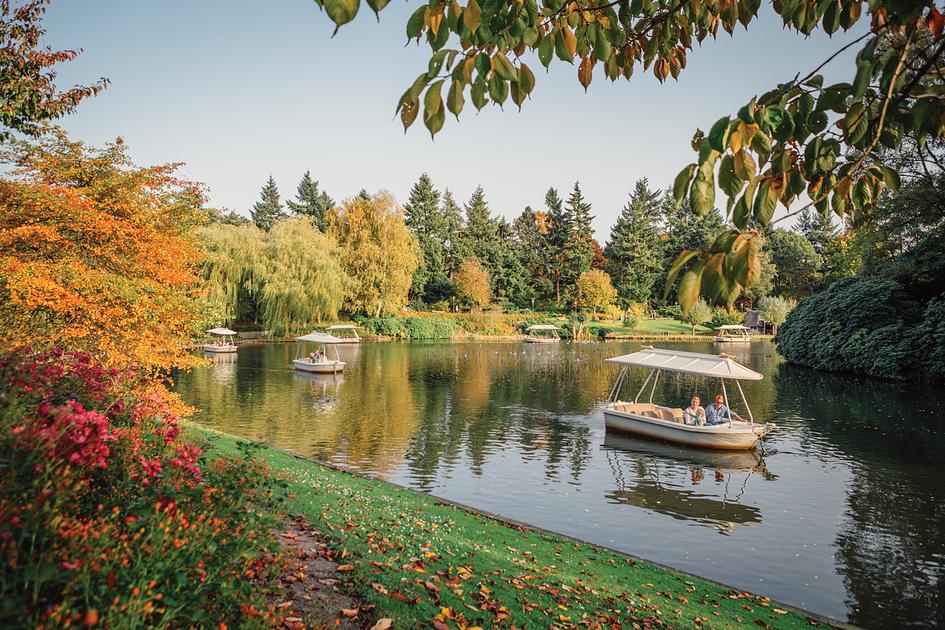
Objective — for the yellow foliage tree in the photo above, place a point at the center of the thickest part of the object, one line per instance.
(595, 290)
(471, 281)
(378, 253)
(96, 254)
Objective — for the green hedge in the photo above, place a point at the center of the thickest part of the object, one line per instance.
(410, 327)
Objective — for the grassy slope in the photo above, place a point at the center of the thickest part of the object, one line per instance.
(414, 557)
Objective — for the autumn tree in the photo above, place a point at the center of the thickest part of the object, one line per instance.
(234, 259)
(635, 251)
(96, 254)
(700, 313)
(309, 201)
(377, 252)
(472, 284)
(595, 290)
(269, 209)
(27, 79)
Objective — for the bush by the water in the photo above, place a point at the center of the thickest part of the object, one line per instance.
(864, 324)
(722, 317)
(410, 327)
(109, 517)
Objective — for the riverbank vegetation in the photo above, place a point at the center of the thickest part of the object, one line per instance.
(426, 563)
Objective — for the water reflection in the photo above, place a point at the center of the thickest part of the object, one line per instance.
(705, 487)
(848, 518)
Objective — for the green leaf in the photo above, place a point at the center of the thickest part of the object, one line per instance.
(891, 177)
(729, 182)
(864, 72)
(689, 284)
(718, 135)
(504, 68)
(765, 203)
(455, 99)
(674, 269)
(432, 101)
(478, 94)
(377, 6)
(741, 213)
(715, 284)
(526, 80)
(681, 183)
(341, 11)
(408, 112)
(702, 191)
(415, 24)
(855, 124)
(546, 50)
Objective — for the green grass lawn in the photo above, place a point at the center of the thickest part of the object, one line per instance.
(422, 563)
(667, 326)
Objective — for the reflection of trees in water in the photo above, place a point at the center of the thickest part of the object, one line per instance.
(891, 546)
(483, 398)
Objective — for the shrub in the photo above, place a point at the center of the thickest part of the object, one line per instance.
(612, 313)
(385, 326)
(428, 328)
(930, 340)
(107, 515)
(722, 317)
(857, 325)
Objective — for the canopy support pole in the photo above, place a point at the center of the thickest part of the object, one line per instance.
(727, 407)
(642, 387)
(652, 391)
(615, 390)
(745, 402)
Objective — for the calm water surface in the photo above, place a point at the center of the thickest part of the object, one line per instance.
(844, 516)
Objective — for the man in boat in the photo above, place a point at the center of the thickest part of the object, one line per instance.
(718, 412)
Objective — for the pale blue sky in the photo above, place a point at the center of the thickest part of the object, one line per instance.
(238, 90)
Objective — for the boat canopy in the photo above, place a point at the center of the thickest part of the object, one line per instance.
(542, 327)
(318, 337)
(688, 363)
(342, 327)
(733, 327)
(221, 331)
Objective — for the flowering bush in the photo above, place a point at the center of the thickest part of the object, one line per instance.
(107, 515)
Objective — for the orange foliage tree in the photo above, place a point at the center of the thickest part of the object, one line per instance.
(96, 254)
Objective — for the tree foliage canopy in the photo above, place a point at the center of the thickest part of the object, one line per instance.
(377, 252)
(27, 89)
(96, 254)
(472, 283)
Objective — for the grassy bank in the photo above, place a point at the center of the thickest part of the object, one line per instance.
(422, 563)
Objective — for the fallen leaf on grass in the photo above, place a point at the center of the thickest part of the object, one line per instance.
(345, 567)
(382, 624)
(350, 612)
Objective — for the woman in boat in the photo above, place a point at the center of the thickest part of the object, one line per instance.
(695, 414)
(718, 412)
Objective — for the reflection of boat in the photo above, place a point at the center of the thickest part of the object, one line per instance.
(733, 333)
(323, 387)
(670, 480)
(666, 423)
(729, 461)
(225, 344)
(344, 333)
(318, 362)
(542, 333)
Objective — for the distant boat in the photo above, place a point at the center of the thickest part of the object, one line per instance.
(318, 361)
(344, 333)
(658, 422)
(733, 333)
(225, 344)
(542, 333)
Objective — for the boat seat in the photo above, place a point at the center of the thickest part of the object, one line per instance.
(644, 409)
(670, 414)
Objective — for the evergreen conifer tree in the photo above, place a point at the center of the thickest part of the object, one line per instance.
(634, 251)
(423, 217)
(818, 228)
(268, 210)
(311, 202)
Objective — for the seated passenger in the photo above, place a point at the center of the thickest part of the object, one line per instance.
(718, 412)
(311, 357)
(695, 414)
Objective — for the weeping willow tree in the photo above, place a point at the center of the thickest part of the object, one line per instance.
(378, 253)
(234, 257)
(302, 281)
(285, 279)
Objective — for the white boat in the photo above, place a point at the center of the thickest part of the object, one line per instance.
(542, 333)
(653, 421)
(733, 333)
(225, 344)
(318, 361)
(344, 333)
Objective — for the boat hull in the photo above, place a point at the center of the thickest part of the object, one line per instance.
(219, 349)
(541, 340)
(327, 367)
(343, 341)
(741, 436)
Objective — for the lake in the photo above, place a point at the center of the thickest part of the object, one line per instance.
(844, 514)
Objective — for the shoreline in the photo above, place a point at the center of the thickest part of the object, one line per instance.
(645, 575)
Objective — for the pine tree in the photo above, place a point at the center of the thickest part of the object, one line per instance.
(559, 230)
(578, 251)
(634, 251)
(453, 224)
(529, 232)
(268, 210)
(311, 202)
(423, 217)
(818, 228)
(580, 211)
